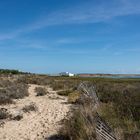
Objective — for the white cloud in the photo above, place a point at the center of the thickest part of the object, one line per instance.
(89, 13)
(84, 13)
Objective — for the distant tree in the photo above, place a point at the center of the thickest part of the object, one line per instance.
(8, 71)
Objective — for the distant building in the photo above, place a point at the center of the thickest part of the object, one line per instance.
(66, 74)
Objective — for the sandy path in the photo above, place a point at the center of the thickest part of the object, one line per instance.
(36, 125)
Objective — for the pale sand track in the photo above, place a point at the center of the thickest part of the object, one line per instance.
(36, 125)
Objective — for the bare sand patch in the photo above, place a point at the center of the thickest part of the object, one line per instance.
(35, 125)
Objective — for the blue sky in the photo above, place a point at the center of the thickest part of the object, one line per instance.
(80, 36)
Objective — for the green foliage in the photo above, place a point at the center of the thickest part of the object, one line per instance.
(7, 71)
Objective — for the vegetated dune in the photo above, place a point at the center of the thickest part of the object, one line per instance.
(36, 115)
(39, 119)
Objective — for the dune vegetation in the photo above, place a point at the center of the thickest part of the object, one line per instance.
(120, 107)
(119, 100)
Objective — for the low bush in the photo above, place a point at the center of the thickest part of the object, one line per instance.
(5, 99)
(5, 83)
(120, 108)
(35, 79)
(18, 117)
(29, 108)
(40, 91)
(3, 113)
(17, 91)
(80, 126)
(73, 97)
(57, 85)
(64, 92)
(64, 84)
(12, 90)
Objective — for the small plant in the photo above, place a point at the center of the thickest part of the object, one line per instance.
(73, 97)
(64, 92)
(4, 114)
(40, 91)
(18, 117)
(29, 108)
(5, 99)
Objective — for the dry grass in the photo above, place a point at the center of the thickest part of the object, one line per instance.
(4, 114)
(5, 99)
(64, 92)
(29, 108)
(40, 91)
(120, 100)
(35, 79)
(17, 117)
(80, 126)
(10, 90)
(73, 97)
(120, 103)
(64, 84)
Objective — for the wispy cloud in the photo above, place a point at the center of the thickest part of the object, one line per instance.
(75, 40)
(89, 13)
(82, 13)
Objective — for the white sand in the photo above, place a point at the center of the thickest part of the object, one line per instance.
(35, 125)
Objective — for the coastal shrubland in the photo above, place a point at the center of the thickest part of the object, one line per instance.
(10, 90)
(120, 108)
(119, 103)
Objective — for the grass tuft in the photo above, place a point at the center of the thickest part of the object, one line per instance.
(40, 91)
(29, 108)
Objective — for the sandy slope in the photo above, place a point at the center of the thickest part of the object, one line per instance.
(36, 125)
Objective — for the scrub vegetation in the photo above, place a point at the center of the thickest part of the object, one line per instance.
(119, 99)
(10, 90)
(120, 107)
(40, 91)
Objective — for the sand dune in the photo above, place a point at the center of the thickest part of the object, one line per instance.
(35, 125)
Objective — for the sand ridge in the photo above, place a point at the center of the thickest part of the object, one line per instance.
(37, 125)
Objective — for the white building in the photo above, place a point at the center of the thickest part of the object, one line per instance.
(66, 74)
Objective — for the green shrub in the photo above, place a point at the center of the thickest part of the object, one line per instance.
(7, 71)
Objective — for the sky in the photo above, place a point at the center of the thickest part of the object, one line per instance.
(79, 36)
